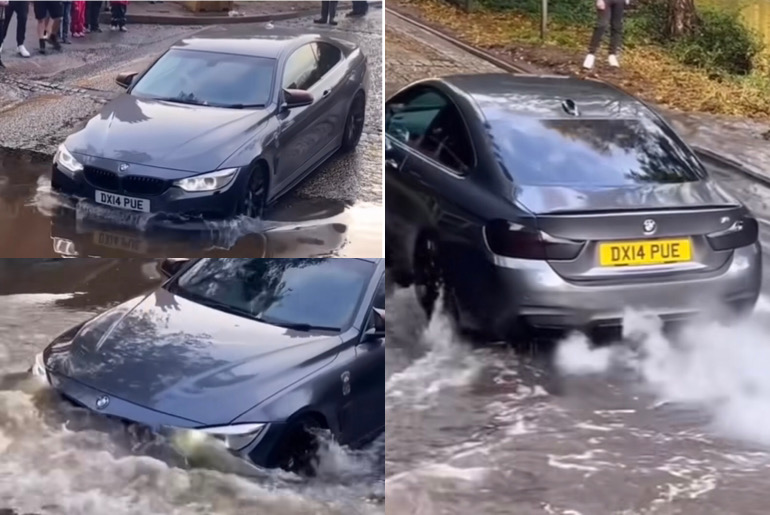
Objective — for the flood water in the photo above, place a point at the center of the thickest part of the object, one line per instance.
(56, 460)
(35, 222)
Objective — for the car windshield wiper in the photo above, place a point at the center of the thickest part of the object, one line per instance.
(241, 106)
(299, 326)
(178, 100)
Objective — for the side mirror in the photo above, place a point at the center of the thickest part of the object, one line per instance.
(170, 266)
(297, 98)
(125, 79)
(378, 331)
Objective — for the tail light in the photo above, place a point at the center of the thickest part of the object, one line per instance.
(743, 232)
(519, 241)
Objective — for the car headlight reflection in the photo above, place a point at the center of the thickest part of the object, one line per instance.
(66, 161)
(235, 437)
(207, 181)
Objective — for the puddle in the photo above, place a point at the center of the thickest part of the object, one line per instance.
(34, 222)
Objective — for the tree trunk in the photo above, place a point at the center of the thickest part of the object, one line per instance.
(682, 18)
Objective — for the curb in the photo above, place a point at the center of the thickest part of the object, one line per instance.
(163, 19)
(513, 68)
(708, 155)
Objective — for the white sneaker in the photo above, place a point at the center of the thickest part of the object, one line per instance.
(22, 51)
(613, 60)
(589, 62)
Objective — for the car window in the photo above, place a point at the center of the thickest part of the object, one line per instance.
(208, 78)
(321, 291)
(428, 122)
(302, 69)
(328, 56)
(379, 295)
(596, 152)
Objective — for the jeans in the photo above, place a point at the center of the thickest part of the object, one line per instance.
(360, 8)
(118, 15)
(612, 16)
(93, 10)
(328, 11)
(20, 9)
(66, 20)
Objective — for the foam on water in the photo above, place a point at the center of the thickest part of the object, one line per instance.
(716, 367)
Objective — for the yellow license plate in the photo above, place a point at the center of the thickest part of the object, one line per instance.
(640, 253)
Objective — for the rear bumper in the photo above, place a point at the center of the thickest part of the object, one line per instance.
(533, 291)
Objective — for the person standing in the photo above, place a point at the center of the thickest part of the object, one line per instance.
(93, 10)
(48, 16)
(78, 18)
(359, 9)
(20, 9)
(66, 21)
(328, 12)
(118, 16)
(608, 13)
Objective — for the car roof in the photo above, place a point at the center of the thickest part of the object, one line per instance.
(542, 96)
(262, 45)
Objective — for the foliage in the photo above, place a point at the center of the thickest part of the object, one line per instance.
(652, 68)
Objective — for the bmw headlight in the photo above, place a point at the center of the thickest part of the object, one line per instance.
(237, 436)
(207, 181)
(67, 162)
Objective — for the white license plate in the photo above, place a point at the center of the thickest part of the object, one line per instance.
(120, 242)
(123, 202)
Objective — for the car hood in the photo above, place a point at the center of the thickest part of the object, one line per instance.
(165, 134)
(171, 355)
(575, 198)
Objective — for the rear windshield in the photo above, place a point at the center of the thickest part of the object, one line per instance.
(590, 152)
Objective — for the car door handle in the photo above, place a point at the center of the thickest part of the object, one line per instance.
(325, 93)
(391, 162)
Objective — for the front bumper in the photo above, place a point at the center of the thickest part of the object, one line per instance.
(172, 203)
(259, 452)
(532, 291)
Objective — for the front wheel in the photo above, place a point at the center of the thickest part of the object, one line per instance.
(427, 274)
(354, 125)
(253, 203)
(299, 446)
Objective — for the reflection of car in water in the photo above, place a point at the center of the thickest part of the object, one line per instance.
(302, 228)
(219, 127)
(556, 202)
(253, 352)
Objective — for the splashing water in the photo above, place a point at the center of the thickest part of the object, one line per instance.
(721, 369)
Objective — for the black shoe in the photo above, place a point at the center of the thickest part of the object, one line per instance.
(319, 21)
(332, 22)
(55, 42)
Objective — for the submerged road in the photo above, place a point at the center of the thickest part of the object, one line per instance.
(337, 211)
(665, 427)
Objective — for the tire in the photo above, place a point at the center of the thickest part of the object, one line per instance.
(298, 450)
(354, 124)
(427, 273)
(253, 203)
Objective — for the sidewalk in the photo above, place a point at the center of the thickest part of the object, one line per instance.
(174, 13)
(741, 143)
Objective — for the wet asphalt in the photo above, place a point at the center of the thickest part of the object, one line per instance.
(337, 211)
(57, 460)
(652, 424)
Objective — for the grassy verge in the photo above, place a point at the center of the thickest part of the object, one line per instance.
(649, 69)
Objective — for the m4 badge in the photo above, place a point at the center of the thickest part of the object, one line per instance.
(345, 377)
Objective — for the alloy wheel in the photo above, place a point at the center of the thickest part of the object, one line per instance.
(427, 274)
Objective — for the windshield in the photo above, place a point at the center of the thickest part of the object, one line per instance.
(306, 293)
(208, 78)
(590, 152)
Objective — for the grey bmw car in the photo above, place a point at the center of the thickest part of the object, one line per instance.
(219, 127)
(258, 354)
(554, 202)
